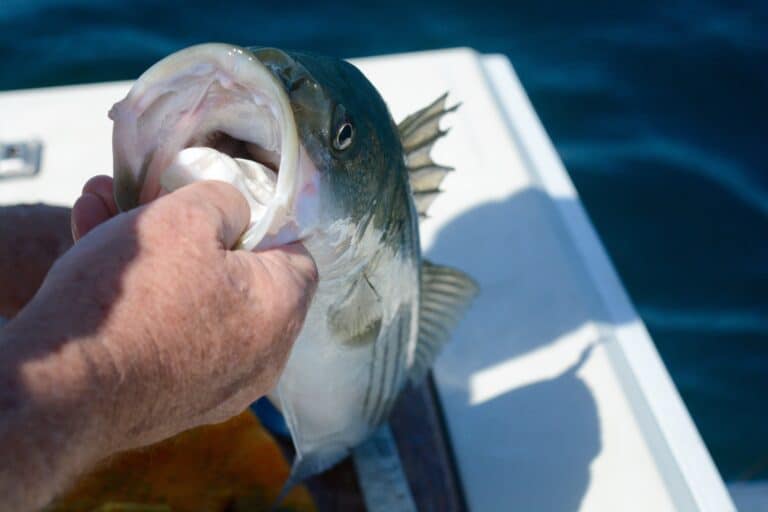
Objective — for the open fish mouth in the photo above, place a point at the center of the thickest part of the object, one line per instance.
(212, 111)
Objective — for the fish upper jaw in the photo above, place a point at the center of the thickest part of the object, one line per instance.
(214, 111)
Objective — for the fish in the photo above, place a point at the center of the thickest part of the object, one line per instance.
(311, 144)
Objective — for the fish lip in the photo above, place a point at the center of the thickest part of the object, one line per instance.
(137, 168)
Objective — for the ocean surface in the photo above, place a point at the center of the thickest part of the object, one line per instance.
(659, 111)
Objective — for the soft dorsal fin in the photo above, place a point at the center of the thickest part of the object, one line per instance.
(418, 133)
(445, 295)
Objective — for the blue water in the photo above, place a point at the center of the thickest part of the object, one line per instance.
(659, 112)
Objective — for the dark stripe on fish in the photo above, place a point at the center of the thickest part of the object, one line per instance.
(367, 412)
(380, 391)
(389, 392)
(386, 392)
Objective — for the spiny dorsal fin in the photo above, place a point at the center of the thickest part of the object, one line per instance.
(445, 294)
(418, 133)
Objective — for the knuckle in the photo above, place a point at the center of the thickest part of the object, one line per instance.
(191, 217)
(193, 213)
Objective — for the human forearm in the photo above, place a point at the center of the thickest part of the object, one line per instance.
(50, 425)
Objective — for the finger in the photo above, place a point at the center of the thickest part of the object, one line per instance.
(222, 206)
(289, 272)
(285, 280)
(295, 259)
(102, 187)
(89, 211)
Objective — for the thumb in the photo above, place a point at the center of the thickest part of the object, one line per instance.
(220, 205)
(293, 260)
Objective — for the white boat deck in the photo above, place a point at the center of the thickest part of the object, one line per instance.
(554, 394)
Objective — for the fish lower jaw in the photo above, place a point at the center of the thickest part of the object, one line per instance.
(209, 112)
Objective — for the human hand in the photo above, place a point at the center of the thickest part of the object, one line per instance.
(153, 325)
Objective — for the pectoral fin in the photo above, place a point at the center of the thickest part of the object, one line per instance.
(356, 318)
(445, 295)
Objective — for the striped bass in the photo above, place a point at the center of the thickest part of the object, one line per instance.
(312, 146)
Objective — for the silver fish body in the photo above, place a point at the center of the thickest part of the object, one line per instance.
(311, 144)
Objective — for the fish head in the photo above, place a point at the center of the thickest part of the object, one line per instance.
(307, 139)
(344, 126)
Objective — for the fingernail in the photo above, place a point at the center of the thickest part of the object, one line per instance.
(73, 225)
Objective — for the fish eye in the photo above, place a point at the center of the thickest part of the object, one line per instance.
(344, 136)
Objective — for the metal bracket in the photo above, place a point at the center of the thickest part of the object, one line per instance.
(20, 159)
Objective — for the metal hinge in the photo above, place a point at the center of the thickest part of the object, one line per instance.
(20, 159)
